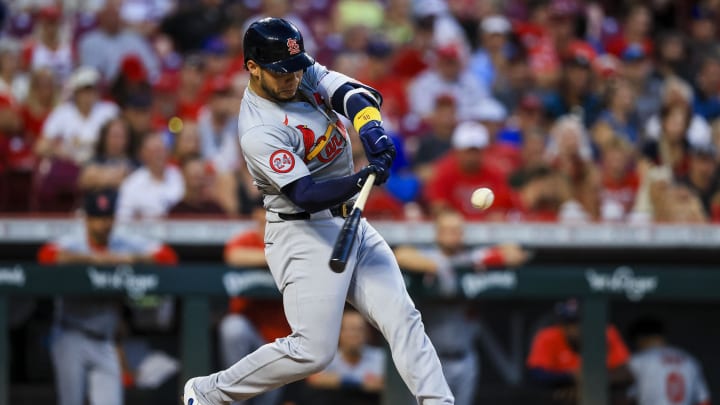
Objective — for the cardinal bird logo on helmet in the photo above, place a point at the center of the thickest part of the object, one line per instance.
(293, 46)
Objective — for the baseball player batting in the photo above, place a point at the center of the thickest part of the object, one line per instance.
(299, 155)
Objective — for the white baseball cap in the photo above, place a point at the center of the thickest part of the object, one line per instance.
(488, 109)
(470, 134)
(496, 24)
(82, 77)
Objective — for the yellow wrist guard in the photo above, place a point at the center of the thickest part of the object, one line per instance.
(366, 115)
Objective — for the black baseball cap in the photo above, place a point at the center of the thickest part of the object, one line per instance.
(100, 203)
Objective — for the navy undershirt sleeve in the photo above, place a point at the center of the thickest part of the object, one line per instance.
(355, 103)
(313, 197)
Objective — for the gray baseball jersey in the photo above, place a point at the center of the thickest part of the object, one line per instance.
(282, 142)
(82, 349)
(668, 376)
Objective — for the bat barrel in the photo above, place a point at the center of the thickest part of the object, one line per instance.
(345, 241)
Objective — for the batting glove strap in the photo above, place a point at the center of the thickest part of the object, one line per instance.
(375, 141)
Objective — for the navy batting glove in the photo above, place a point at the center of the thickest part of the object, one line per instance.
(375, 141)
(381, 174)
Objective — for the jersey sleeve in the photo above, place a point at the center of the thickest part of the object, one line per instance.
(329, 81)
(618, 354)
(272, 155)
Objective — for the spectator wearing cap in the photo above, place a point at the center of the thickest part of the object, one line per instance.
(131, 80)
(554, 358)
(13, 81)
(71, 129)
(68, 137)
(503, 156)
(447, 75)
(575, 93)
(491, 58)
(436, 142)
(706, 100)
(198, 198)
(150, 191)
(703, 176)
(463, 170)
(112, 160)
(619, 116)
(48, 49)
(105, 47)
(83, 348)
(635, 30)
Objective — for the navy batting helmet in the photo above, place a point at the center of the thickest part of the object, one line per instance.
(276, 44)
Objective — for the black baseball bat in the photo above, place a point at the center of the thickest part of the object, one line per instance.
(346, 238)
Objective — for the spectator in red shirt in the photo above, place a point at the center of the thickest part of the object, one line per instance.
(554, 359)
(17, 157)
(250, 323)
(462, 171)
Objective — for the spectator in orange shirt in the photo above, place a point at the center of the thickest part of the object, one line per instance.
(462, 171)
(251, 323)
(554, 358)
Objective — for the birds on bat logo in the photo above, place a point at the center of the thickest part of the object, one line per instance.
(326, 147)
(293, 46)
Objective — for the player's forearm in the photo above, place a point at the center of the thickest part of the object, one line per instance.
(324, 380)
(410, 259)
(246, 257)
(313, 197)
(65, 257)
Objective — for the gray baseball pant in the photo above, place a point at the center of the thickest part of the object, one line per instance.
(314, 297)
(84, 365)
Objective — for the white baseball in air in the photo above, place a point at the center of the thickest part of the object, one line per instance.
(482, 198)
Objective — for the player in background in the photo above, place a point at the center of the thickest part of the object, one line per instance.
(300, 157)
(250, 323)
(554, 359)
(356, 375)
(664, 375)
(448, 323)
(83, 349)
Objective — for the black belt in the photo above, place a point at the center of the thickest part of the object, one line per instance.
(341, 210)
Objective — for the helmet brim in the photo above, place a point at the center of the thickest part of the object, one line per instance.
(298, 62)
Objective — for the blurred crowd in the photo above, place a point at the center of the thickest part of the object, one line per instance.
(570, 110)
